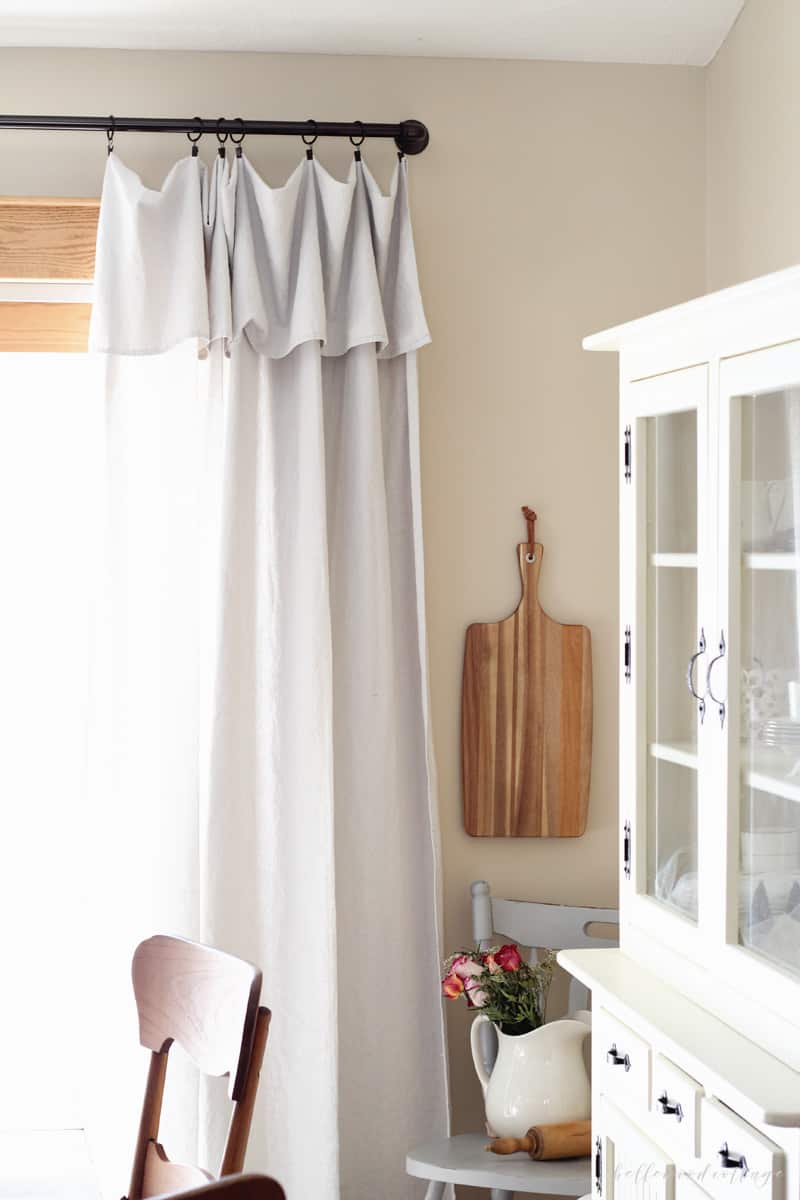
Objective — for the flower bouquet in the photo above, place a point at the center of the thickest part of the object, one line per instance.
(509, 991)
(539, 1073)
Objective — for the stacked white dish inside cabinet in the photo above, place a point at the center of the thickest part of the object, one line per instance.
(696, 1042)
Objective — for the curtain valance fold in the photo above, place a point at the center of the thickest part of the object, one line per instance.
(220, 255)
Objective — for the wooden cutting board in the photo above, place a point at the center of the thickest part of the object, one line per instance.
(526, 718)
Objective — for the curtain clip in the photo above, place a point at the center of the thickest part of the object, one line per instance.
(194, 140)
(221, 138)
(358, 143)
(309, 139)
(237, 141)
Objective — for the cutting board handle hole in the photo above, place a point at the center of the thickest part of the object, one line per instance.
(529, 558)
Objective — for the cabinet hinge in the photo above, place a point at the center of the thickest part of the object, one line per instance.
(626, 849)
(627, 654)
(627, 453)
(598, 1167)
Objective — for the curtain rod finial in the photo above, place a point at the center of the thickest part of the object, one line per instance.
(413, 137)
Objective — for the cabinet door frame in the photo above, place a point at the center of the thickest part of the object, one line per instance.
(617, 1131)
(685, 390)
(771, 369)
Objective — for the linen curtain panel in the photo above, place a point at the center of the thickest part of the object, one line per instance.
(260, 772)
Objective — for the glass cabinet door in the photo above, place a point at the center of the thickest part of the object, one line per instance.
(757, 700)
(672, 636)
(670, 500)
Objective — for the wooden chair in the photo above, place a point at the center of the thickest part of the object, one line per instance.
(206, 1001)
(235, 1187)
(463, 1159)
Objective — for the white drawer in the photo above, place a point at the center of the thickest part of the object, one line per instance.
(736, 1158)
(622, 1059)
(675, 1103)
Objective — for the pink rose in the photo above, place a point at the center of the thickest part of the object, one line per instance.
(452, 986)
(508, 958)
(465, 967)
(476, 996)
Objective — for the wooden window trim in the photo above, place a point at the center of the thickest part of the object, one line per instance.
(46, 238)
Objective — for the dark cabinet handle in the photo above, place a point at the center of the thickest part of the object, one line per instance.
(598, 1166)
(731, 1162)
(668, 1108)
(616, 1059)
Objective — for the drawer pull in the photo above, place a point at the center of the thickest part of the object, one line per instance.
(731, 1162)
(598, 1166)
(616, 1059)
(669, 1108)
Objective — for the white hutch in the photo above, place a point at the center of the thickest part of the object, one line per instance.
(696, 1041)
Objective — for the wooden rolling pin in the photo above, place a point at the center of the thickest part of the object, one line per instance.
(570, 1139)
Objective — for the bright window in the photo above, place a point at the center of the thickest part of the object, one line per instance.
(50, 426)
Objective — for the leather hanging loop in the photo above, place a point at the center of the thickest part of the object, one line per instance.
(530, 517)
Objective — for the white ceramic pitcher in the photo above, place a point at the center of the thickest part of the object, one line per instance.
(538, 1078)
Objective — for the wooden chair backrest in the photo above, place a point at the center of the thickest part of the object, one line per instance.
(207, 1002)
(201, 998)
(236, 1187)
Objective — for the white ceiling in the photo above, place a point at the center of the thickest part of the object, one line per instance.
(638, 31)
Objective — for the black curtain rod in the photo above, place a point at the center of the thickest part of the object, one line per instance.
(411, 137)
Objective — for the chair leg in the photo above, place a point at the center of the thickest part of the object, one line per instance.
(501, 1194)
(435, 1190)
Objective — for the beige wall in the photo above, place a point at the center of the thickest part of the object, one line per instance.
(753, 137)
(555, 199)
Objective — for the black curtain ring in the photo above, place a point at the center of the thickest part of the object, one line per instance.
(221, 137)
(237, 141)
(194, 140)
(309, 139)
(110, 134)
(357, 143)
(362, 136)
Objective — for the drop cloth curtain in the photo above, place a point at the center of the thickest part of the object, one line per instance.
(259, 760)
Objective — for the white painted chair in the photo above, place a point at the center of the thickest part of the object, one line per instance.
(463, 1159)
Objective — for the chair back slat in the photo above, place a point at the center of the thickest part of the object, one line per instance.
(543, 926)
(201, 998)
(554, 926)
